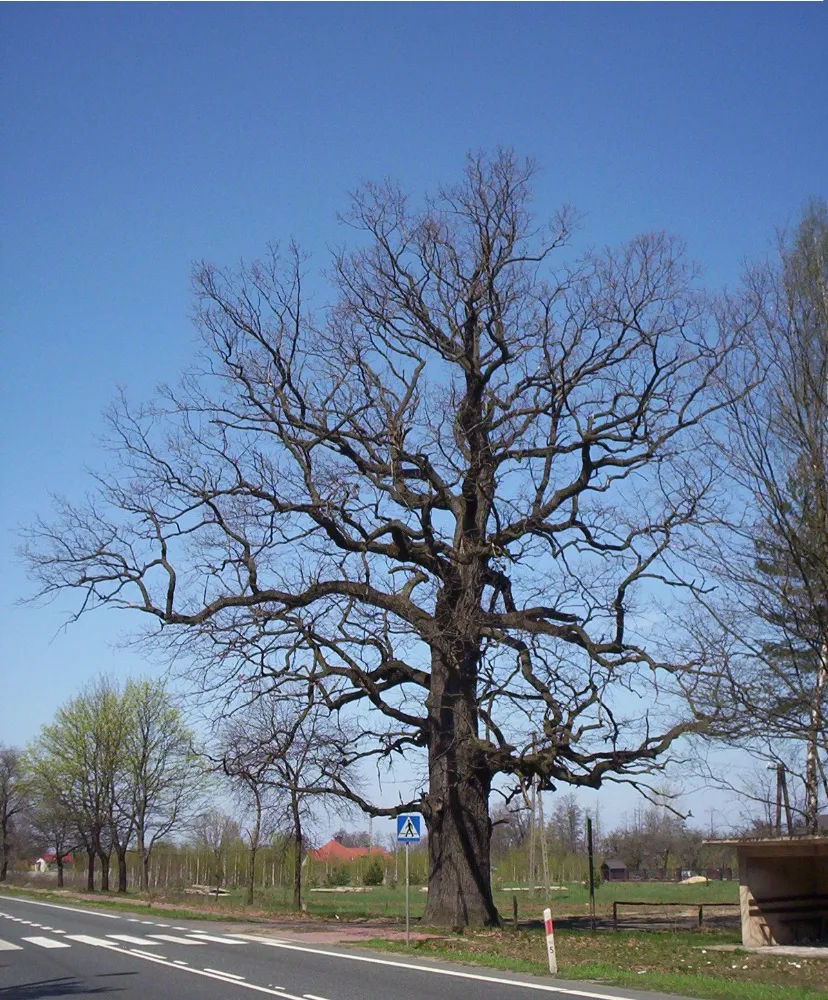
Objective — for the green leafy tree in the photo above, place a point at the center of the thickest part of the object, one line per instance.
(82, 751)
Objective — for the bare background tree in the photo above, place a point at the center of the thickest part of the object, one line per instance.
(215, 830)
(770, 662)
(449, 501)
(243, 762)
(286, 756)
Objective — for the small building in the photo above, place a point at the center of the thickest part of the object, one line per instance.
(49, 862)
(783, 889)
(614, 871)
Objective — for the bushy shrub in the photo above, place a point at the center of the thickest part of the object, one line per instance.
(374, 873)
(338, 875)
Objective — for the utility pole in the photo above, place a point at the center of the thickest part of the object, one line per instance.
(544, 854)
(591, 856)
(782, 796)
(532, 819)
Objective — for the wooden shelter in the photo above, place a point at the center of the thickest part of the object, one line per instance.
(783, 889)
(614, 871)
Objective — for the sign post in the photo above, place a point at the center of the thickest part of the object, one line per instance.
(408, 832)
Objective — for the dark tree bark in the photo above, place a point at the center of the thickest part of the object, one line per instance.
(298, 851)
(12, 801)
(104, 858)
(90, 869)
(438, 500)
(122, 869)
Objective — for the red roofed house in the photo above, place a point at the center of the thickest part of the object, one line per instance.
(334, 851)
(45, 863)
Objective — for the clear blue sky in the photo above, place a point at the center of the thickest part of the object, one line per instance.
(137, 138)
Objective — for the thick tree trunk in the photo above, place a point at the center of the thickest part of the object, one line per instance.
(59, 859)
(90, 870)
(457, 806)
(104, 871)
(122, 870)
(143, 857)
(4, 868)
(251, 875)
(297, 855)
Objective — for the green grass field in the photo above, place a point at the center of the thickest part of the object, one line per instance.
(382, 902)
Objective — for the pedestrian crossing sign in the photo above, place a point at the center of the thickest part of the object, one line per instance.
(408, 829)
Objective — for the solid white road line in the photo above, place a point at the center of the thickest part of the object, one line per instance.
(218, 972)
(174, 939)
(8, 946)
(72, 909)
(451, 973)
(130, 939)
(312, 996)
(146, 954)
(44, 942)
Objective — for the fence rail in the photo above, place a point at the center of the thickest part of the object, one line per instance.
(654, 905)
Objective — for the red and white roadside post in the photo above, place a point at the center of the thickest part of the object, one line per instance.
(550, 942)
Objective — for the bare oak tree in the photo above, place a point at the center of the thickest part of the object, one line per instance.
(446, 500)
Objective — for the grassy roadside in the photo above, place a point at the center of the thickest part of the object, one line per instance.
(103, 901)
(387, 902)
(664, 961)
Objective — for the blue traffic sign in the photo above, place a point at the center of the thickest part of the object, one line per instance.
(408, 829)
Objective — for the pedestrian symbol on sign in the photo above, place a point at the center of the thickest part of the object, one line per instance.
(408, 829)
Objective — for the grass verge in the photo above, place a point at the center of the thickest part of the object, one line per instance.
(666, 962)
(104, 901)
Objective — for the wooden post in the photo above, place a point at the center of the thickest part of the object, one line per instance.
(615, 914)
(591, 873)
(550, 942)
(515, 911)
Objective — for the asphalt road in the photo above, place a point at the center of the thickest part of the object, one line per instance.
(50, 950)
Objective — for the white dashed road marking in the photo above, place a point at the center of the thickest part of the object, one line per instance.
(176, 940)
(218, 972)
(202, 936)
(8, 946)
(130, 939)
(44, 942)
(146, 954)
